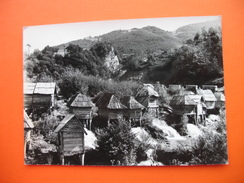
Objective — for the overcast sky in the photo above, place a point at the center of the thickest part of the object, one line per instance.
(40, 36)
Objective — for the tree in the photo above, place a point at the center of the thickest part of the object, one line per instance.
(200, 60)
(116, 144)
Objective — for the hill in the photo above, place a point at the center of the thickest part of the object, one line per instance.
(150, 54)
(137, 41)
(189, 31)
(141, 41)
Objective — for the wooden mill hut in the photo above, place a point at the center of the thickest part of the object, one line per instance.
(109, 106)
(200, 108)
(134, 108)
(148, 97)
(184, 105)
(174, 88)
(213, 88)
(71, 138)
(192, 88)
(220, 97)
(28, 94)
(81, 106)
(39, 95)
(208, 98)
(28, 126)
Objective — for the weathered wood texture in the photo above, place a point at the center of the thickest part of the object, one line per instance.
(71, 136)
(28, 100)
(111, 113)
(42, 100)
(39, 95)
(133, 114)
(81, 113)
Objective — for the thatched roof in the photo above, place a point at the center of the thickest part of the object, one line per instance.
(147, 90)
(182, 100)
(27, 121)
(208, 95)
(40, 88)
(80, 100)
(131, 103)
(108, 101)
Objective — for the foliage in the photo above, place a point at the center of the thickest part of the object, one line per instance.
(200, 60)
(48, 65)
(209, 148)
(46, 126)
(116, 144)
(40, 151)
(155, 132)
(139, 41)
(101, 49)
(74, 81)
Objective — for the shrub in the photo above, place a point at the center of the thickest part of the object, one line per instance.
(116, 144)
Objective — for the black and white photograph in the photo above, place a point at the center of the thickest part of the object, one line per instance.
(136, 92)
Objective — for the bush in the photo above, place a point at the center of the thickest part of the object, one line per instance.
(211, 148)
(74, 81)
(116, 144)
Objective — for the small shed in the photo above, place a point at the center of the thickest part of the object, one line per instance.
(208, 98)
(174, 88)
(28, 126)
(39, 95)
(28, 94)
(81, 106)
(220, 103)
(184, 105)
(134, 108)
(192, 88)
(213, 88)
(109, 106)
(71, 138)
(200, 108)
(148, 97)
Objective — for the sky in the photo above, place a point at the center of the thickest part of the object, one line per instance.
(42, 35)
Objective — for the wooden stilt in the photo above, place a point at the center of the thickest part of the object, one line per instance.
(90, 123)
(62, 159)
(25, 144)
(108, 121)
(82, 158)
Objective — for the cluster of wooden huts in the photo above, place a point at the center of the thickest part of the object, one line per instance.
(197, 102)
(39, 96)
(191, 100)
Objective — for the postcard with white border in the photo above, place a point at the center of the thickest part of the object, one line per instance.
(139, 92)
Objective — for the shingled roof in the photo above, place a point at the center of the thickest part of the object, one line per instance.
(109, 101)
(64, 122)
(182, 100)
(27, 121)
(208, 95)
(40, 88)
(147, 90)
(80, 100)
(131, 103)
